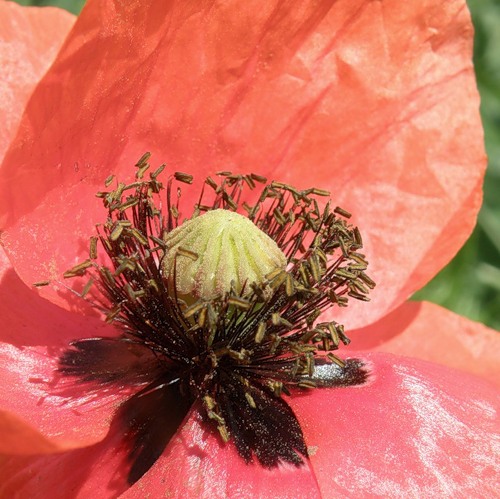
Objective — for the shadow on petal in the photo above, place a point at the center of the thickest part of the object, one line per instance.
(429, 332)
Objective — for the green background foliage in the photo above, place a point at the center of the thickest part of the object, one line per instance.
(74, 6)
(470, 284)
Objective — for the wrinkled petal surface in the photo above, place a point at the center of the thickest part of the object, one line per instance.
(81, 473)
(429, 332)
(67, 416)
(29, 41)
(21, 438)
(416, 430)
(195, 465)
(37, 413)
(374, 100)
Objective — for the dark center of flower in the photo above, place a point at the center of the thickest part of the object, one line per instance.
(220, 313)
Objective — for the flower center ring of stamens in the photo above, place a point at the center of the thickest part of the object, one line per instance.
(220, 311)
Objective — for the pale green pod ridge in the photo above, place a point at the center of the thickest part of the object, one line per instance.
(218, 248)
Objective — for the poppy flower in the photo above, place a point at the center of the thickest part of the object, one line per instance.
(374, 101)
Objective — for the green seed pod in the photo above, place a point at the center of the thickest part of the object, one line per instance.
(226, 251)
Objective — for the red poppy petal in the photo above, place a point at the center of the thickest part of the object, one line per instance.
(29, 41)
(415, 430)
(81, 473)
(34, 333)
(429, 332)
(195, 465)
(18, 437)
(67, 415)
(373, 100)
(29, 320)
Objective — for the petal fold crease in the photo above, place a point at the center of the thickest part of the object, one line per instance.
(373, 100)
(429, 332)
(29, 41)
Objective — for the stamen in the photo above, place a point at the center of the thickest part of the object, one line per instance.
(40, 284)
(226, 306)
(78, 270)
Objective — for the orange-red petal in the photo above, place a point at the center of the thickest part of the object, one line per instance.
(429, 332)
(17, 437)
(29, 41)
(195, 465)
(80, 473)
(65, 415)
(36, 413)
(415, 430)
(375, 101)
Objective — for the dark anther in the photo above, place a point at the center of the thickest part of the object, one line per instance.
(185, 341)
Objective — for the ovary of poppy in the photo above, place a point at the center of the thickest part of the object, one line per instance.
(372, 100)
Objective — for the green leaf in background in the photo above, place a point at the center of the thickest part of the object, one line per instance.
(74, 6)
(470, 284)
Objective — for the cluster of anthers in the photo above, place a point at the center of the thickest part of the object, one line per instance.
(220, 312)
